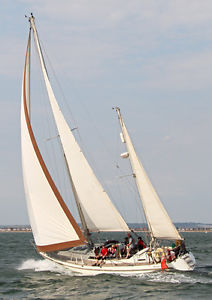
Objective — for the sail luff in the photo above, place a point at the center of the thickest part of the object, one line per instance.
(99, 212)
(39, 184)
(158, 220)
(28, 74)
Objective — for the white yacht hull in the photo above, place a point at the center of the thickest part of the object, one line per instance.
(83, 269)
(123, 266)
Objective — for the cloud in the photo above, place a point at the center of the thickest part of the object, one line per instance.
(169, 13)
(191, 71)
(158, 44)
(93, 38)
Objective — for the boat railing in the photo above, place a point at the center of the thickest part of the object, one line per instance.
(75, 258)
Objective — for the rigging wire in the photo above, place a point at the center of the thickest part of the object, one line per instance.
(63, 98)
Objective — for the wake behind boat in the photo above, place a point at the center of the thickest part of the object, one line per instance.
(57, 235)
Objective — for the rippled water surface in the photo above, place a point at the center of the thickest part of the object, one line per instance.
(24, 275)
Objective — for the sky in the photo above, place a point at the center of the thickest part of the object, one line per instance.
(152, 58)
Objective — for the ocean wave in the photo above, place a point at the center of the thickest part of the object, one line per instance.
(175, 277)
(43, 265)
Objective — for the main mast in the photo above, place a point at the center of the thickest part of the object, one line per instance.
(82, 218)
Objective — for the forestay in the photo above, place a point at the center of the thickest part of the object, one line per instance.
(52, 224)
(159, 222)
(99, 212)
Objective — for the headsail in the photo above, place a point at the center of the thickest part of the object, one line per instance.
(159, 223)
(98, 211)
(52, 224)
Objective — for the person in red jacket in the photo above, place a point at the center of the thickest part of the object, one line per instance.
(140, 244)
(101, 256)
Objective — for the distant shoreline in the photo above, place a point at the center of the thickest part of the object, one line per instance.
(182, 230)
(14, 230)
(6, 230)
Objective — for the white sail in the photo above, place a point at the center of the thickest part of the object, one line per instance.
(52, 224)
(159, 222)
(99, 212)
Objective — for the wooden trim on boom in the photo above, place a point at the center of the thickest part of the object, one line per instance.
(59, 246)
(82, 239)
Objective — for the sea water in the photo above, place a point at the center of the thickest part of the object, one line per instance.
(25, 275)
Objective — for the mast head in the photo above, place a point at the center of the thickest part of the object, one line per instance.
(116, 108)
(31, 18)
(118, 111)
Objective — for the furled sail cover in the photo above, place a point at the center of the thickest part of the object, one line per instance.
(99, 212)
(158, 220)
(52, 224)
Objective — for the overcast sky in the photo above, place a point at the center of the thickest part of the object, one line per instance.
(151, 58)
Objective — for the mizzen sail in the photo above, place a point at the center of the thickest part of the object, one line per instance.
(158, 220)
(52, 224)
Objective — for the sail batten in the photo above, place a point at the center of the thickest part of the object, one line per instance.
(158, 220)
(51, 221)
(98, 211)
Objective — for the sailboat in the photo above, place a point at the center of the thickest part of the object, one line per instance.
(57, 235)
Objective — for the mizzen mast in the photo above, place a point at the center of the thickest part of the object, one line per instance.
(158, 220)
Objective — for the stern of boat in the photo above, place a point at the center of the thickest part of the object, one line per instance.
(186, 262)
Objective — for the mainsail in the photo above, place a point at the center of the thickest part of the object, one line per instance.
(52, 224)
(94, 205)
(158, 220)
